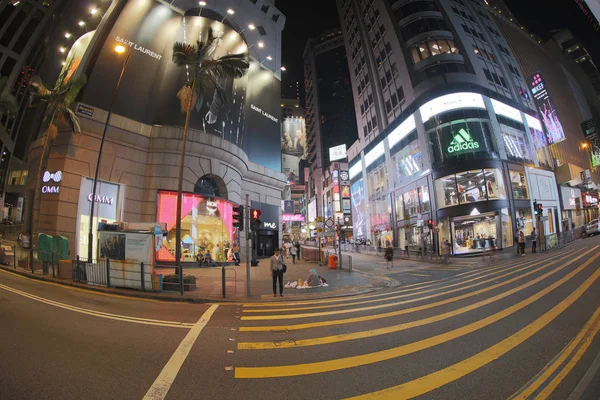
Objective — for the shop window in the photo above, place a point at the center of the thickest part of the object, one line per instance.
(411, 203)
(408, 161)
(377, 180)
(518, 182)
(524, 220)
(507, 231)
(446, 192)
(424, 199)
(475, 234)
(471, 186)
(399, 207)
(494, 184)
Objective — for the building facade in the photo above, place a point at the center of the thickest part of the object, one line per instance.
(329, 117)
(448, 129)
(233, 146)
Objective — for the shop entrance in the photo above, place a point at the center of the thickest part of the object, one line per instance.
(472, 234)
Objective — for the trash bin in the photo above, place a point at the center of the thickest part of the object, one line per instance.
(332, 261)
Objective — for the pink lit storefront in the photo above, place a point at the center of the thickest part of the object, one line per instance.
(206, 226)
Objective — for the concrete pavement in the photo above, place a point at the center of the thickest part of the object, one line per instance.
(522, 328)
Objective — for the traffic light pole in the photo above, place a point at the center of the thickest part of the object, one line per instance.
(247, 227)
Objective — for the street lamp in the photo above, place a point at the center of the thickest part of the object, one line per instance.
(119, 49)
(283, 68)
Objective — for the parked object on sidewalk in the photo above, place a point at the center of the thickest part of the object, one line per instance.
(7, 255)
(332, 261)
(313, 278)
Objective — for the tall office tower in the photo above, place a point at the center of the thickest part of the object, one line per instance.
(24, 28)
(449, 131)
(329, 114)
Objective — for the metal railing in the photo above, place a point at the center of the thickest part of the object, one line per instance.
(114, 273)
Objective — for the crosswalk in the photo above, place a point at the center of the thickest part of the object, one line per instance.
(433, 338)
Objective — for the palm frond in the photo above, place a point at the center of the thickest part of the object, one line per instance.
(208, 47)
(184, 95)
(38, 87)
(184, 54)
(74, 87)
(72, 119)
(233, 65)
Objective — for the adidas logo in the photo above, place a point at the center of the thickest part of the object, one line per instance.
(462, 142)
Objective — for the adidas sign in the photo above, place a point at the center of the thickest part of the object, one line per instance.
(462, 142)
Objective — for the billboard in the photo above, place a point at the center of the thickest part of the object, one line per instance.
(359, 210)
(293, 137)
(541, 98)
(590, 130)
(248, 117)
(337, 152)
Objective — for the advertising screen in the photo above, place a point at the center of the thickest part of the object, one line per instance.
(592, 136)
(359, 210)
(206, 226)
(293, 137)
(248, 113)
(541, 98)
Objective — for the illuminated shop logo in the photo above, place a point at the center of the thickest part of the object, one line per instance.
(49, 178)
(462, 142)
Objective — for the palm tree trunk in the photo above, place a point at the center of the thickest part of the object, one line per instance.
(38, 179)
(179, 191)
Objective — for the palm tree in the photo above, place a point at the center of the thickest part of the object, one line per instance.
(8, 102)
(203, 71)
(58, 101)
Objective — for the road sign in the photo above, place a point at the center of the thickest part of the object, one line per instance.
(420, 222)
(419, 216)
(326, 234)
(329, 223)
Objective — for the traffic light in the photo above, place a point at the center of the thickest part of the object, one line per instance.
(255, 222)
(238, 217)
(539, 210)
(430, 223)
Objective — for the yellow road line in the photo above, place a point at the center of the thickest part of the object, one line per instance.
(75, 289)
(400, 327)
(388, 314)
(388, 354)
(387, 305)
(405, 288)
(449, 374)
(125, 318)
(416, 274)
(574, 350)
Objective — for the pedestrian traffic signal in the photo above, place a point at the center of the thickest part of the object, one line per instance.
(430, 223)
(238, 217)
(255, 223)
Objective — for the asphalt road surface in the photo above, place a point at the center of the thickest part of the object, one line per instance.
(523, 329)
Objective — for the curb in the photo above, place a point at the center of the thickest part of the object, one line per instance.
(151, 296)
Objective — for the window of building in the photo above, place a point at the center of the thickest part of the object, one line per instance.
(471, 186)
(8, 66)
(275, 17)
(518, 183)
(265, 8)
(446, 191)
(377, 180)
(411, 203)
(494, 184)
(424, 25)
(414, 7)
(408, 160)
(433, 48)
(424, 199)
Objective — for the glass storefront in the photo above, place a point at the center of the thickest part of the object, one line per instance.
(381, 227)
(408, 160)
(518, 182)
(475, 233)
(524, 220)
(415, 201)
(206, 226)
(377, 180)
(470, 187)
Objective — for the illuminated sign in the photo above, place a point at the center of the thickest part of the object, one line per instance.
(337, 152)
(101, 199)
(589, 199)
(593, 140)
(355, 170)
(271, 225)
(264, 113)
(462, 142)
(541, 98)
(292, 217)
(49, 177)
(506, 111)
(451, 102)
(401, 131)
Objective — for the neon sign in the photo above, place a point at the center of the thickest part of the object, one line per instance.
(462, 142)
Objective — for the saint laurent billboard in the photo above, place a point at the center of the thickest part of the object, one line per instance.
(148, 93)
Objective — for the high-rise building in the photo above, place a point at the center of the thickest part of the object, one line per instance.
(233, 144)
(591, 9)
(24, 30)
(449, 129)
(329, 114)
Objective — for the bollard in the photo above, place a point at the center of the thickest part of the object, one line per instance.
(142, 271)
(107, 272)
(223, 282)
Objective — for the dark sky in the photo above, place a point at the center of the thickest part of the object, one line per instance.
(543, 16)
(304, 19)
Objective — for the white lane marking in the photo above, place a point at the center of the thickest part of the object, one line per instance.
(162, 384)
(117, 317)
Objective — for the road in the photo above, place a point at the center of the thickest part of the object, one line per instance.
(523, 328)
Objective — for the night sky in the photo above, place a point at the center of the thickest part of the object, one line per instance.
(309, 18)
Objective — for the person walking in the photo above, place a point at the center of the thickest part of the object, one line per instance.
(533, 241)
(522, 243)
(389, 256)
(293, 253)
(277, 272)
(298, 250)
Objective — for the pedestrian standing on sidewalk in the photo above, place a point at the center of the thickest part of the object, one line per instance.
(389, 256)
(298, 250)
(446, 251)
(277, 272)
(522, 243)
(293, 253)
(492, 249)
(533, 241)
